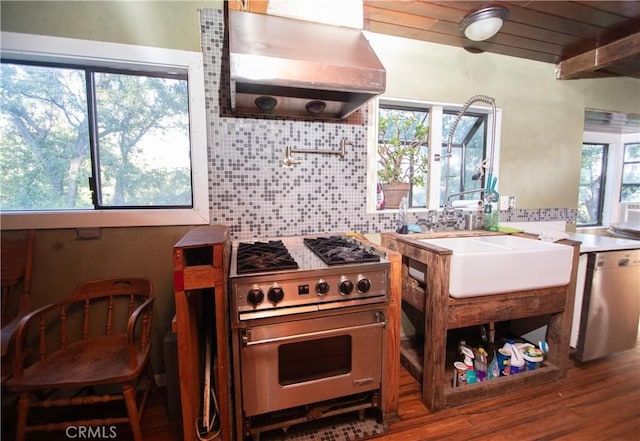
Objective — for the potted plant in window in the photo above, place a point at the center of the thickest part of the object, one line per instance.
(402, 161)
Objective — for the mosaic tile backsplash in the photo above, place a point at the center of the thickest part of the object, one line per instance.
(256, 196)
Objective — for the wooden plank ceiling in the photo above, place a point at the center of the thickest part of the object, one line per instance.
(583, 38)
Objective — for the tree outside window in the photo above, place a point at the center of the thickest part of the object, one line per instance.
(592, 184)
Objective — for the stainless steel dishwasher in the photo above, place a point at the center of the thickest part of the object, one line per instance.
(611, 304)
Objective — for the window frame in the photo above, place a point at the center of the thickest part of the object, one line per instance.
(36, 48)
(612, 204)
(436, 140)
(622, 166)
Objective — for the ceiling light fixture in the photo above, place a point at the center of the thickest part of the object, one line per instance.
(484, 23)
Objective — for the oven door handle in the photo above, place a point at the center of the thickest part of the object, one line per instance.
(307, 335)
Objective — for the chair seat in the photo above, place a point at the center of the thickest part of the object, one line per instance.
(97, 360)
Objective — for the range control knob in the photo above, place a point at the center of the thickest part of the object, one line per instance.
(346, 286)
(322, 288)
(364, 285)
(255, 296)
(275, 294)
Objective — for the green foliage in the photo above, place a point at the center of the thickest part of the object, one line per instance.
(402, 147)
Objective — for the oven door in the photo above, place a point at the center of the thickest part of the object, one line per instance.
(305, 361)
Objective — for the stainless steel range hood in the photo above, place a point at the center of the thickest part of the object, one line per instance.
(286, 67)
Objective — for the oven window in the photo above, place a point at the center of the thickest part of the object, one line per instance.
(311, 360)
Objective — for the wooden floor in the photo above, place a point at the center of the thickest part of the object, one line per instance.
(597, 401)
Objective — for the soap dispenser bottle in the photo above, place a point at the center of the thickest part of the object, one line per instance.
(491, 217)
(487, 216)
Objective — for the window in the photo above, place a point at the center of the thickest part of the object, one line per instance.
(130, 149)
(415, 126)
(630, 185)
(402, 150)
(617, 155)
(592, 185)
(107, 141)
(468, 151)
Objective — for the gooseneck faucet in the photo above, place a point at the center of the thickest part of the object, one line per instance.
(489, 190)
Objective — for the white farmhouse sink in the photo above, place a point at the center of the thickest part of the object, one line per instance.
(486, 265)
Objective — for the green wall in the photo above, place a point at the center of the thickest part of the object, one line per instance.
(167, 24)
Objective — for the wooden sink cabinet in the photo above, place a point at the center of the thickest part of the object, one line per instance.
(443, 313)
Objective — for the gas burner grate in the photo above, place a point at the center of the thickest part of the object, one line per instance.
(336, 250)
(263, 256)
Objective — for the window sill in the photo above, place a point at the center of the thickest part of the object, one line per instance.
(95, 219)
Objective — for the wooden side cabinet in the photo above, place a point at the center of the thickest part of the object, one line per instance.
(200, 264)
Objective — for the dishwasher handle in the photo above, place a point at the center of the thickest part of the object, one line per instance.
(614, 259)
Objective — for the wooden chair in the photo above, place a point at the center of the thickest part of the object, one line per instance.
(98, 340)
(16, 265)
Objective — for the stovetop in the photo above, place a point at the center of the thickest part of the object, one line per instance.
(279, 277)
(336, 250)
(298, 254)
(255, 257)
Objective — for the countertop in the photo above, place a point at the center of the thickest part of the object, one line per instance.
(589, 242)
(595, 243)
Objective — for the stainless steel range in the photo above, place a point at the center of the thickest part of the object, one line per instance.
(308, 319)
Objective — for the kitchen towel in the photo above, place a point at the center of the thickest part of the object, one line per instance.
(476, 203)
(552, 236)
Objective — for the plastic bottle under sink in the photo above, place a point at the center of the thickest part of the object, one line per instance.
(468, 361)
(493, 370)
(480, 364)
(464, 349)
(533, 356)
(517, 358)
(471, 372)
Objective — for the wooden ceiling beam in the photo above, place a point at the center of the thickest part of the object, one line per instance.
(599, 58)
